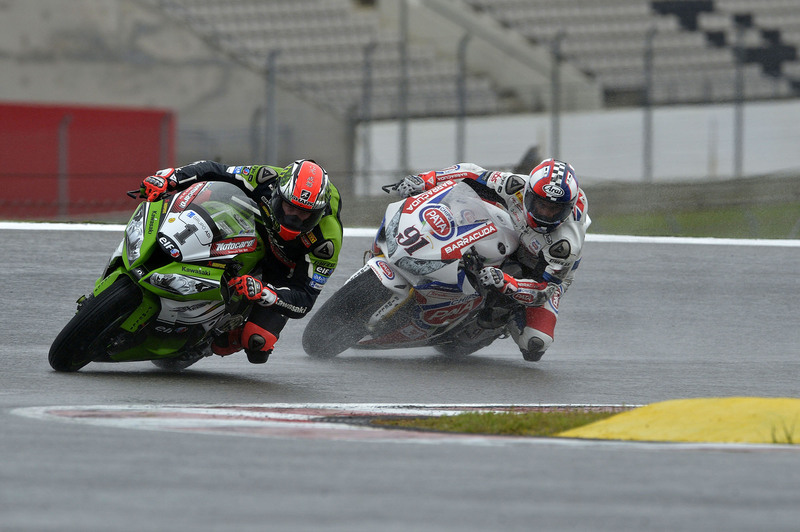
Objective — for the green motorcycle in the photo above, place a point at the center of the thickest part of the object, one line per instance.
(164, 295)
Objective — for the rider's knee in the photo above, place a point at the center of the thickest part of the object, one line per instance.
(533, 343)
(258, 343)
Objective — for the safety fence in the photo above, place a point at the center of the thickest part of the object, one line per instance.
(60, 162)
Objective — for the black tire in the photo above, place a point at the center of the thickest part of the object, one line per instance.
(86, 335)
(342, 321)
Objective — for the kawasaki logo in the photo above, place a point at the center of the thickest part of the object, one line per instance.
(196, 271)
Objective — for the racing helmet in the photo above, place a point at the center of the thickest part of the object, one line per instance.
(301, 198)
(550, 195)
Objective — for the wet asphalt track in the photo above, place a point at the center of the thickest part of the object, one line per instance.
(643, 323)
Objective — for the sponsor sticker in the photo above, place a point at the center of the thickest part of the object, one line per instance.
(439, 219)
(553, 190)
(414, 202)
(443, 315)
(453, 249)
(233, 246)
(185, 198)
(386, 269)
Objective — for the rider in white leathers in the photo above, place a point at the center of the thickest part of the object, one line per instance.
(550, 212)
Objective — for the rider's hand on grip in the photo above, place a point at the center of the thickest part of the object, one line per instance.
(410, 186)
(155, 185)
(533, 294)
(496, 278)
(253, 289)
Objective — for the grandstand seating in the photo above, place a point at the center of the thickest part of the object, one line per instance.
(694, 44)
(323, 46)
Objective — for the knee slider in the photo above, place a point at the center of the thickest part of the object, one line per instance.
(533, 344)
(258, 342)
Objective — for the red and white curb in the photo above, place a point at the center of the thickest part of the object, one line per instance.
(329, 421)
(317, 421)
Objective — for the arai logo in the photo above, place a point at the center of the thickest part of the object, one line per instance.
(553, 190)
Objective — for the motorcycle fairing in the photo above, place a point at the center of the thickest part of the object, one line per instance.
(205, 227)
(182, 301)
(422, 241)
(184, 282)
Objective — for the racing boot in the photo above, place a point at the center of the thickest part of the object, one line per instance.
(227, 344)
(534, 351)
(257, 357)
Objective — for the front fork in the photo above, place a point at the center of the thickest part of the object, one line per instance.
(401, 289)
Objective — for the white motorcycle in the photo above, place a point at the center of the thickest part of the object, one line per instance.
(418, 286)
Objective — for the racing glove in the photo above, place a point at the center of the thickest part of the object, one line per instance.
(254, 290)
(155, 185)
(414, 184)
(491, 277)
(525, 291)
(533, 294)
(410, 186)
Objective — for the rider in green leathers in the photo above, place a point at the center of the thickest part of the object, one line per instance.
(302, 229)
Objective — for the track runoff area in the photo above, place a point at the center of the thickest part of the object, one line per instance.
(741, 422)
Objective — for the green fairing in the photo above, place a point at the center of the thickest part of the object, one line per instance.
(157, 346)
(190, 270)
(103, 283)
(143, 314)
(150, 235)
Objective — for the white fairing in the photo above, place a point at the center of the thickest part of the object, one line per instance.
(424, 240)
(190, 233)
(201, 224)
(426, 235)
(191, 312)
(207, 221)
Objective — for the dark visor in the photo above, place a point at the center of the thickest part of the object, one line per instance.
(545, 211)
(295, 223)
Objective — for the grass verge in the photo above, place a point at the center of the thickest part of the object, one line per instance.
(762, 221)
(541, 423)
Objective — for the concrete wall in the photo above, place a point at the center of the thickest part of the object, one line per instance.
(127, 53)
(693, 143)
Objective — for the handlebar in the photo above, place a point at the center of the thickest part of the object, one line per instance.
(391, 187)
(137, 194)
